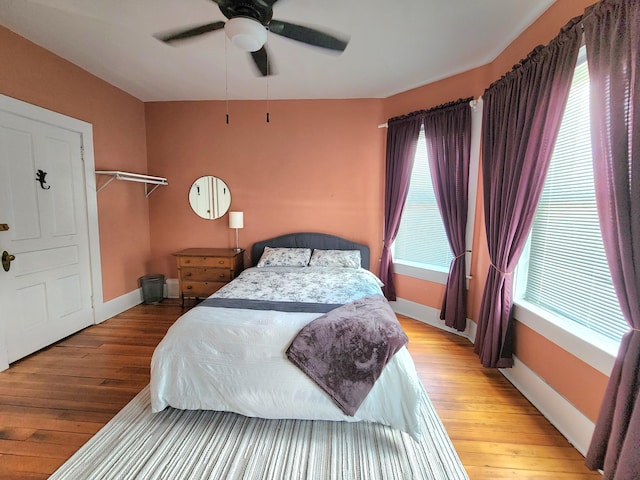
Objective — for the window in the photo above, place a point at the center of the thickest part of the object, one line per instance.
(421, 238)
(564, 270)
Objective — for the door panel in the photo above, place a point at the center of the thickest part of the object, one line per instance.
(39, 261)
(32, 303)
(19, 145)
(60, 173)
(66, 287)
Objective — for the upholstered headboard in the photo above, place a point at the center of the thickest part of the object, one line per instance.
(311, 240)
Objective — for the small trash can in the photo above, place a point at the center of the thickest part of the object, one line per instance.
(152, 287)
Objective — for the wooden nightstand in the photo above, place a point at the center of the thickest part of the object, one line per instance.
(202, 271)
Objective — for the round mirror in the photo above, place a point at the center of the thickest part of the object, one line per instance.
(210, 197)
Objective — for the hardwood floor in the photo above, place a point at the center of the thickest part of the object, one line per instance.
(496, 431)
(52, 402)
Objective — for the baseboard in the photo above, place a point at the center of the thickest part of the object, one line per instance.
(430, 316)
(569, 421)
(4, 362)
(172, 288)
(117, 305)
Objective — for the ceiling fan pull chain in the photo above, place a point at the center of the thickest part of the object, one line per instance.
(267, 80)
(226, 81)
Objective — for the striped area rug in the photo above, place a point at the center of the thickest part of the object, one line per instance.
(183, 444)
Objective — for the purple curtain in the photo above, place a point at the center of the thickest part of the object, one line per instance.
(448, 133)
(612, 38)
(402, 139)
(522, 114)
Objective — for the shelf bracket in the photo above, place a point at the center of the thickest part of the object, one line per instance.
(133, 177)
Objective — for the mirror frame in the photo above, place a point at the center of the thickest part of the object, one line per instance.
(209, 197)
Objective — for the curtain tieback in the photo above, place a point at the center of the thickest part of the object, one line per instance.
(635, 329)
(461, 255)
(502, 272)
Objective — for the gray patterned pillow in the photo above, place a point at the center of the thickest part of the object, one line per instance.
(335, 258)
(284, 257)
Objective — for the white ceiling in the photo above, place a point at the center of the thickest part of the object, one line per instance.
(395, 45)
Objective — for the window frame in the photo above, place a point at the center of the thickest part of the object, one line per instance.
(583, 343)
(433, 273)
(595, 350)
(591, 347)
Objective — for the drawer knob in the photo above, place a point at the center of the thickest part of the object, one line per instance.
(189, 287)
(221, 262)
(187, 274)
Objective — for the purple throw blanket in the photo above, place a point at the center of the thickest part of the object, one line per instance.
(345, 350)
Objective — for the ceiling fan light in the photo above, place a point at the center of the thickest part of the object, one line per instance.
(246, 34)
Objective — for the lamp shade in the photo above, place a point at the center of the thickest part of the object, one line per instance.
(236, 220)
(246, 33)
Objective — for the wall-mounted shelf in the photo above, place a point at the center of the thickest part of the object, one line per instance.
(133, 177)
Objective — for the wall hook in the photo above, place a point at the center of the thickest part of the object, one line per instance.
(40, 175)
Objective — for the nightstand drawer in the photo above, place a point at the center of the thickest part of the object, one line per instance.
(203, 271)
(203, 274)
(201, 289)
(217, 262)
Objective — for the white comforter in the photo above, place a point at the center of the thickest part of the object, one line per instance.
(230, 359)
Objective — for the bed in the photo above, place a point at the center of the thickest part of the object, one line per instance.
(243, 349)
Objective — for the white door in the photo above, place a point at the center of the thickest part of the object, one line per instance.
(46, 294)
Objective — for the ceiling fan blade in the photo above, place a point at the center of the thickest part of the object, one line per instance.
(308, 35)
(173, 36)
(262, 62)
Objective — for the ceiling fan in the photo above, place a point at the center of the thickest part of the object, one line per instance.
(247, 26)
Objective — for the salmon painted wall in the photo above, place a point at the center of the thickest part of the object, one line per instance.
(317, 166)
(37, 76)
(581, 384)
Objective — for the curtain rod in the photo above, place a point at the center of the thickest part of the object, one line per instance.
(473, 104)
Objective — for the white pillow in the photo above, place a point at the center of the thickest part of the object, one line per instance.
(284, 257)
(335, 258)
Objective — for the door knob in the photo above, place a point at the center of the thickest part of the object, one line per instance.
(7, 258)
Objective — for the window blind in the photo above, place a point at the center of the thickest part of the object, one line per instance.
(567, 272)
(421, 237)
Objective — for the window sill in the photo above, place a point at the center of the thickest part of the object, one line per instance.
(598, 352)
(421, 271)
